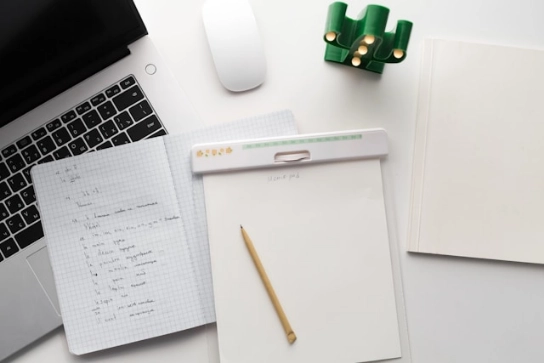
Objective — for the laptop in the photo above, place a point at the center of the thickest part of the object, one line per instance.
(77, 77)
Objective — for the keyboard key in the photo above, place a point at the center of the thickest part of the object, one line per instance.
(15, 163)
(113, 91)
(28, 195)
(61, 136)
(108, 129)
(4, 232)
(76, 127)
(120, 139)
(31, 154)
(157, 134)
(127, 82)
(62, 153)
(105, 145)
(91, 119)
(30, 214)
(47, 159)
(123, 120)
(3, 212)
(144, 128)
(93, 138)
(106, 110)
(29, 235)
(78, 146)
(84, 107)
(140, 111)
(10, 150)
(128, 98)
(8, 247)
(14, 204)
(4, 191)
(46, 145)
(53, 125)
(98, 99)
(4, 171)
(17, 182)
(26, 174)
(39, 133)
(15, 223)
(68, 116)
(24, 142)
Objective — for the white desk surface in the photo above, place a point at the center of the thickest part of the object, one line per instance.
(458, 310)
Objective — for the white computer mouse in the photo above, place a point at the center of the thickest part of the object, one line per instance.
(235, 43)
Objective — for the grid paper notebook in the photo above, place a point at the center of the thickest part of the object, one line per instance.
(126, 233)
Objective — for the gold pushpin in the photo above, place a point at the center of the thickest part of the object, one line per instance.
(356, 61)
(330, 36)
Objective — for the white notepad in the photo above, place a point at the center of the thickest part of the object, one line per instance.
(320, 231)
(478, 175)
(128, 248)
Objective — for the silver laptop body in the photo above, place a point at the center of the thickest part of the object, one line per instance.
(29, 306)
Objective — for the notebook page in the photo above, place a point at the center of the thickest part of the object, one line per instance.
(117, 245)
(190, 190)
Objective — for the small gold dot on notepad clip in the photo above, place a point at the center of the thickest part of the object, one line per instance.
(369, 39)
(362, 50)
(397, 53)
(330, 36)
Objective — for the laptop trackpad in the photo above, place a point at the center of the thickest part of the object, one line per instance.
(41, 266)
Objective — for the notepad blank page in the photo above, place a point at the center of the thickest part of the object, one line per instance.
(321, 234)
(117, 245)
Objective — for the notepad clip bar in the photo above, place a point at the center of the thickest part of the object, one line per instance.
(290, 150)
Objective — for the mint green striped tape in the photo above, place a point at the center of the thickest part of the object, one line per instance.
(311, 140)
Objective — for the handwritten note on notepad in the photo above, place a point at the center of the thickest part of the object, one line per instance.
(126, 256)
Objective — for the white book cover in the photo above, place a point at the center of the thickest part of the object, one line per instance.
(478, 170)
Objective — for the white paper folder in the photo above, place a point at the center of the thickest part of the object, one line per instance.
(478, 172)
(320, 230)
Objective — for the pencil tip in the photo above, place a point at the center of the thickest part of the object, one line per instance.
(241, 226)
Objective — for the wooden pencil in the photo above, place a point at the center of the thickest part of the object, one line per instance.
(291, 337)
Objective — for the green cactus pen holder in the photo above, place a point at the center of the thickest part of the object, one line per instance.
(363, 43)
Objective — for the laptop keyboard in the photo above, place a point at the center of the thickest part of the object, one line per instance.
(118, 115)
